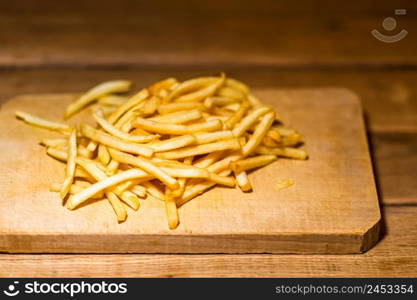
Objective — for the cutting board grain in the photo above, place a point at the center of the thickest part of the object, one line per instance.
(332, 208)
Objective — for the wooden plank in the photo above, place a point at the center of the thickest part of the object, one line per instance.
(208, 6)
(320, 214)
(395, 161)
(201, 38)
(393, 256)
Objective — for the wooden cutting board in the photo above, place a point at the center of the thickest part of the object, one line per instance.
(331, 208)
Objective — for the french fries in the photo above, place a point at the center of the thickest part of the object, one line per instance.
(96, 92)
(171, 141)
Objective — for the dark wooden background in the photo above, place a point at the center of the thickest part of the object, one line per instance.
(68, 46)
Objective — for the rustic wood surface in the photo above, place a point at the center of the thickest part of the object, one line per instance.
(326, 45)
(339, 219)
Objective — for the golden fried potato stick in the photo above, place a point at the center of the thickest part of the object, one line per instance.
(283, 152)
(231, 144)
(254, 101)
(209, 159)
(208, 137)
(251, 163)
(112, 167)
(55, 143)
(112, 100)
(46, 124)
(123, 135)
(96, 92)
(103, 155)
(71, 163)
(231, 92)
(145, 165)
(179, 117)
(182, 181)
(173, 143)
(114, 142)
(130, 199)
(260, 131)
(250, 119)
(75, 189)
(190, 85)
(194, 172)
(242, 181)
(165, 84)
(198, 189)
(237, 85)
(150, 105)
(200, 95)
(164, 109)
(153, 190)
(131, 102)
(139, 191)
(175, 129)
(79, 198)
(171, 209)
(209, 102)
(238, 115)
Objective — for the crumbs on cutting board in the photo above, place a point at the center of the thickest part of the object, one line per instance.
(283, 184)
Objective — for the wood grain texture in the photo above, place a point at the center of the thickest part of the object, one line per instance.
(393, 256)
(158, 37)
(320, 214)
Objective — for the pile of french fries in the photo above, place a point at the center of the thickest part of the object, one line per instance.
(171, 141)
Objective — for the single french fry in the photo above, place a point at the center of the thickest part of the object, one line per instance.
(171, 209)
(242, 181)
(209, 137)
(237, 85)
(123, 135)
(173, 143)
(168, 108)
(114, 142)
(112, 167)
(97, 92)
(254, 101)
(103, 155)
(231, 144)
(283, 152)
(146, 165)
(46, 124)
(250, 119)
(165, 84)
(131, 102)
(139, 190)
(236, 117)
(179, 117)
(251, 163)
(150, 105)
(201, 94)
(209, 102)
(190, 85)
(130, 199)
(79, 198)
(75, 189)
(71, 163)
(260, 131)
(112, 100)
(230, 92)
(198, 189)
(176, 129)
(54, 143)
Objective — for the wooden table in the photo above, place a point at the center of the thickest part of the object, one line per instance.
(63, 48)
